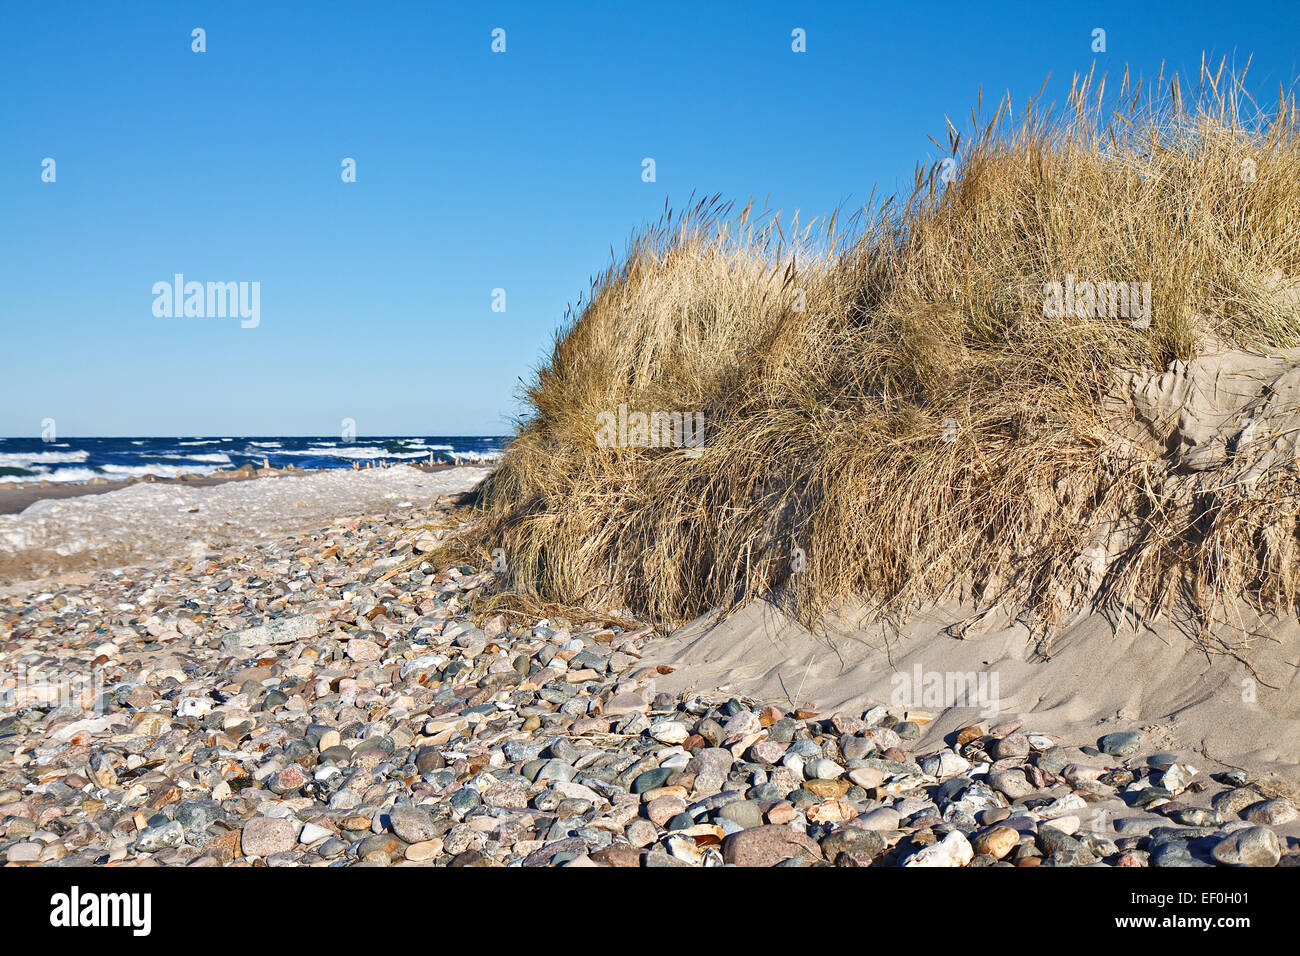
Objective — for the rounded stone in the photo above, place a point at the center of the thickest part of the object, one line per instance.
(291, 778)
(867, 777)
(1120, 744)
(650, 780)
(768, 845)
(1272, 812)
(819, 768)
(746, 813)
(997, 842)
(263, 836)
(662, 809)
(427, 850)
(411, 824)
(1254, 846)
(1012, 746)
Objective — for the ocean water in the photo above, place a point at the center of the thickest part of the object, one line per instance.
(80, 459)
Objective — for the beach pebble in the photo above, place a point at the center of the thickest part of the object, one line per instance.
(996, 842)
(193, 707)
(264, 836)
(1235, 800)
(1272, 812)
(335, 698)
(819, 768)
(768, 845)
(1013, 746)
(312, 832)
(669, 731)
(881, 818)
(412, 824)
(1011, 782)
(1253, 846)
(1176, 777)
(662, 809)
(953, 850)
(359, 649)
(1121, 744)
(945, 764)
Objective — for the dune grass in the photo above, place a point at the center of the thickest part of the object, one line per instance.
(831, 361)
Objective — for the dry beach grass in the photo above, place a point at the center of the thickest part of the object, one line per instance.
(831, 361)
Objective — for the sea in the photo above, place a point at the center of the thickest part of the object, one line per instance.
(81, 459)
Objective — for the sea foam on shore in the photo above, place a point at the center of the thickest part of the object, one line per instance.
(147, 522)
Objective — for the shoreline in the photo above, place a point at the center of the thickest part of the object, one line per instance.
(150, 523)
(16, 497)
(345, 702)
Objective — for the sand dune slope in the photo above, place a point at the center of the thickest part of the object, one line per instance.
(1095, 682)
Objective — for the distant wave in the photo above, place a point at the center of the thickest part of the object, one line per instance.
(161, 469)
(478, 455)
(67, 474)
(12, 475)
(81, 459)
(21, 459)
(220, 458)
(351, 451)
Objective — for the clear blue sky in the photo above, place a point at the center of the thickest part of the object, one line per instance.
(475, 171)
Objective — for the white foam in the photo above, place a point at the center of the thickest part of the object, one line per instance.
(25, 459)
(160, 469)
(111, 472)
(477, 455)
(147, 521)
(352, 451)
(65, 474)
(220, 458)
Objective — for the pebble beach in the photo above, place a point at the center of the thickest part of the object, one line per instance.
(327, 697)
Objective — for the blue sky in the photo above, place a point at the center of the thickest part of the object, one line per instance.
(475, 171)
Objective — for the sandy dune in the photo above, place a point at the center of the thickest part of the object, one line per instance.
(1095, 682)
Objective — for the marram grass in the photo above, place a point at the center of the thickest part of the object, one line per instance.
(831, 363)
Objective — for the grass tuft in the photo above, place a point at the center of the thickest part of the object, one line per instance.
(831, 361)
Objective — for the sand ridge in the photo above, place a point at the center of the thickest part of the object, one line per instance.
(1096, 680)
